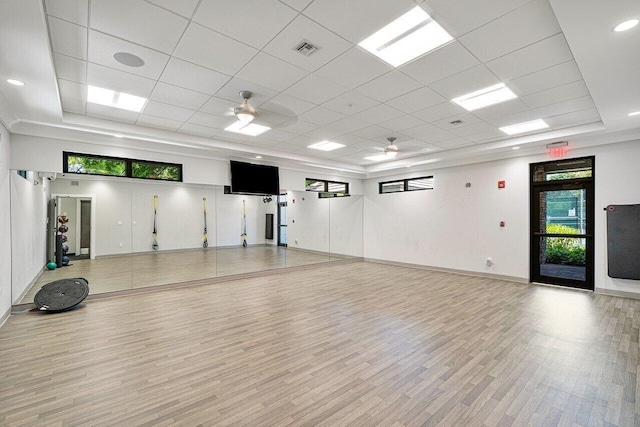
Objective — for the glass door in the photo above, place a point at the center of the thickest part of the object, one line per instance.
(562, 229)
(282, 220)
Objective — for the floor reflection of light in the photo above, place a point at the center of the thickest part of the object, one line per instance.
(563, 314)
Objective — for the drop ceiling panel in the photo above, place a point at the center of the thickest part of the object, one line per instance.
(466, 119)
(222, 54)
(572, 119)
(183, 7)
(320, 116)
(353, 68)
(270, 119)
(557, 94)
(122, 18)
(69, 68)
(158, 109)
(76, 11)
(190, 76)
(72, 90)
(209, 120)
(477, 128)
(346, 125)
(110, 113)
(181, 97)
(462, 16)
(302, 28)
(439, 111)
(416, 100)
(105, 77)
(251, 22)
(401, 123)
(346, 17)
(538, 56)
(68, 39)
(315, 89)
(441, 63)
(524, 26)
(158, 122)
(298, 126)
(302, 141)
(298, 5)
(577, 104)
(279, 135)
(271, 72)
(378, 114)
(350, 103)
(287, 105)
(388, 86)
(374, 133)
(548, 78)
(470, 80)
(428, 133)
(102, 47)
(286, 147)
(198, 130)
(495, 112)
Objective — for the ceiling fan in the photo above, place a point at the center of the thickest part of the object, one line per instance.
(392, 149)
(245, 113)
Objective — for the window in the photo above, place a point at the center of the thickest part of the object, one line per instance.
(409, 184)
(331, 188)
(22, 174)
(91, 164)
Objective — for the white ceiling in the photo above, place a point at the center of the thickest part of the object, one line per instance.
(561, 59)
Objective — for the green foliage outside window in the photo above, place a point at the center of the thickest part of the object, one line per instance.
(565, 250)
(96, 166)
(155, 171)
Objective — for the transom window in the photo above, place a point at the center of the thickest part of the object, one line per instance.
(409, 184)
(91, 164)
(322, 186)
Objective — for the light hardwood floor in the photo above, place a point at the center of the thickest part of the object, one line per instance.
(133, 271)
(338, 344)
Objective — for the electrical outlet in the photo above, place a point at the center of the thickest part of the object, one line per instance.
(489, 262)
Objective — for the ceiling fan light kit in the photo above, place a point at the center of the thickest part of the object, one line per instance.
(392, 149)
(245, 112)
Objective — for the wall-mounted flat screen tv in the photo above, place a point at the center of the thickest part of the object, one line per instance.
(247, 178)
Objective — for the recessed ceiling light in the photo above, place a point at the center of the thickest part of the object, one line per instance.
(377, 157)
(524, 127)
(245, 128)
(635, 113)
(485, 97)
(111, 98)
(326, 146)
(15, 82)
(128, 59)
(412, 35)
(258, 157)
(626, 25)
(515, 148)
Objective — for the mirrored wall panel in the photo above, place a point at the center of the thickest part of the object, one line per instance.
(123, 234)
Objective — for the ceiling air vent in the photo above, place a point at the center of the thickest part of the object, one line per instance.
(306, 48)
(456, 122)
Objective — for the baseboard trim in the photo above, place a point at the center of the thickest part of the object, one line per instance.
(614, 293)
(5, 316)
(451, 270)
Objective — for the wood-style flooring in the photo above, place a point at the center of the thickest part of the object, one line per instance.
(132, 271)
(337, 344)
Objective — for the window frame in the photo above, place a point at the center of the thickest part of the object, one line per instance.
(405, 185)
(128, 166)
(326, 186)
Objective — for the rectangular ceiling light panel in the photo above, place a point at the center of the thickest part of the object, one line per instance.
(245, 128)
(482, 98)
(111, 98)
(412, 35)
(524, 127)
(326, 146)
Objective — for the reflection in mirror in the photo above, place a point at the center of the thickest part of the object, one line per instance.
(346, 227)
(246, 239)
(308, 233)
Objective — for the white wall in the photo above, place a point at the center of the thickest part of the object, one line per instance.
(5, 224)
(456, 227)
(346, 216)
(28, 230)
(307, 221)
